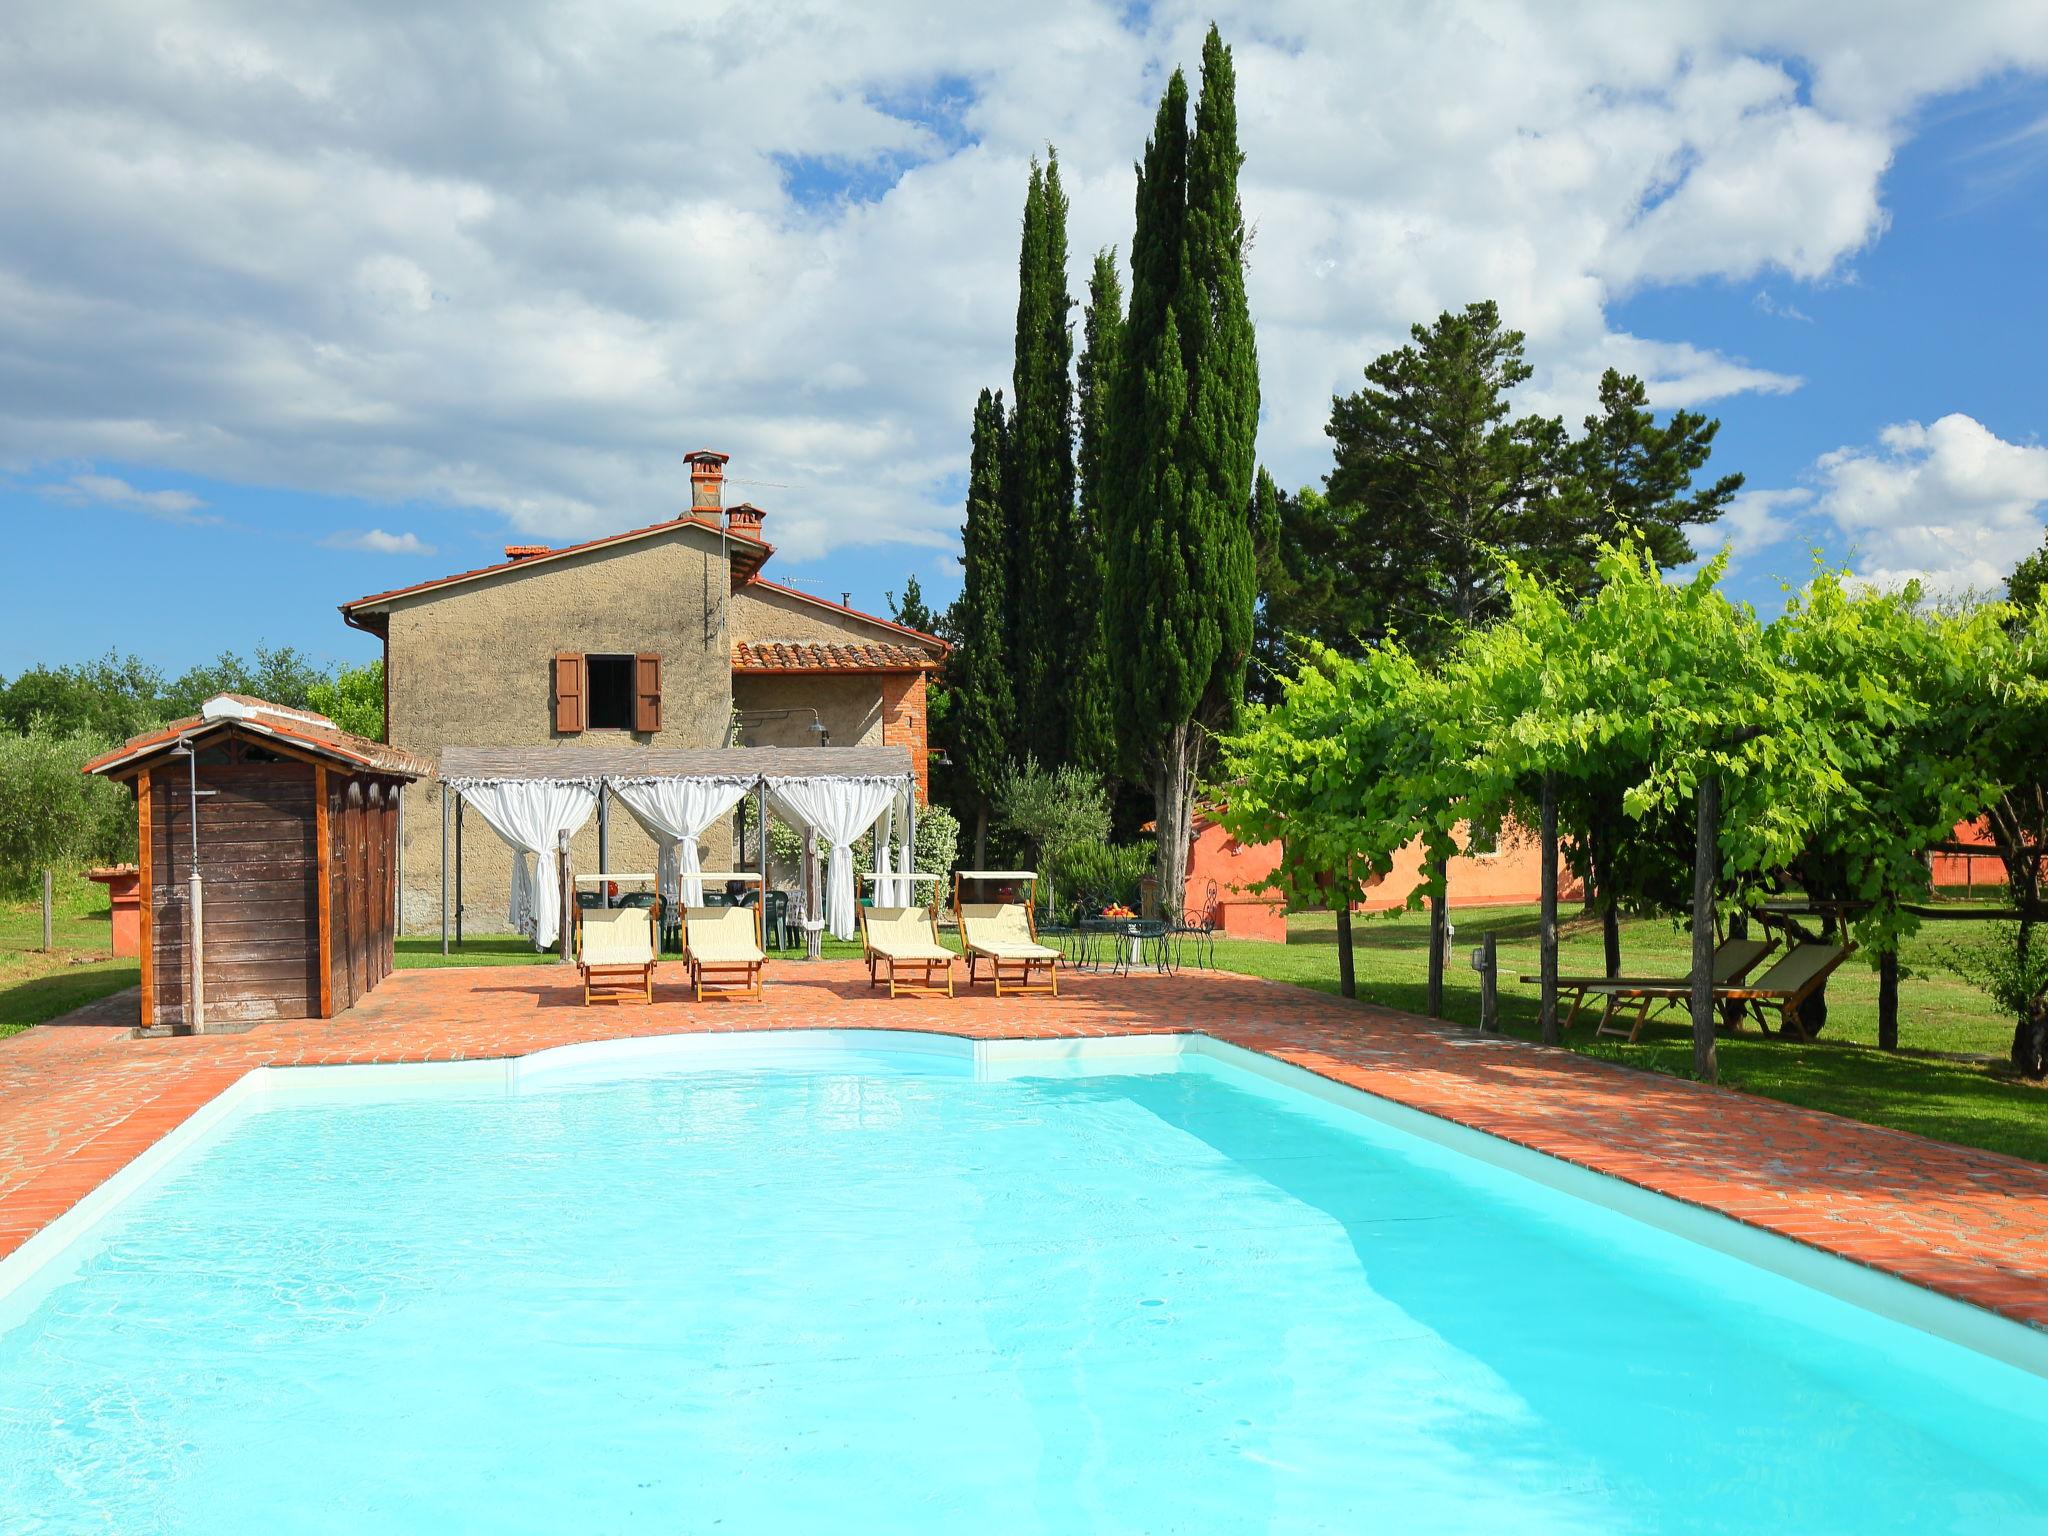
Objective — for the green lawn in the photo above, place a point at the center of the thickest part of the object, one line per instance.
(1921, 1088)
(80, 966)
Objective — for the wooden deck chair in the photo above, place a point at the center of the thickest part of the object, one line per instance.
(1732, 961)
(1003, 934)
(1788, 985)
(1798, 974)
(615, 951)
(905, 940)
(722, 947)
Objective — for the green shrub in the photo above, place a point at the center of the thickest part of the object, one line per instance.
(51, 815)
(1094, 875)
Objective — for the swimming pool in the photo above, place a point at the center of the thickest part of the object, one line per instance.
(746, 1284)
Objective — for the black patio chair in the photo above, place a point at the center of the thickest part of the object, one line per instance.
(1197, 930)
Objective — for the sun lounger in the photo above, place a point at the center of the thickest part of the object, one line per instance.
(722, 947)
(1001, 933)
(1733, 959)
(615, 952)
(1786, 986)
(903, 942)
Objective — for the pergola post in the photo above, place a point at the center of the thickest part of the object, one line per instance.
(566, 879)
(445, 814)
(1547, 939)
(604, 842)
(910, 843)
(1706, 859)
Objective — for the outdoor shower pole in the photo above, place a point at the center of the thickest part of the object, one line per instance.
(195, 945)
(444, 867)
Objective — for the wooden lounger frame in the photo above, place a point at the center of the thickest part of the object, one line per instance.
(883, 968)
(737, 979)
(1020, 983)
(1754, 1000)
(621, 983)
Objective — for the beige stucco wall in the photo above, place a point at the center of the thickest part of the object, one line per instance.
(849, 705)
(761, 613)
(472, 666)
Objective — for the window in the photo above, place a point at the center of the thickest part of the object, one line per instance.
(1482, 839)
(607, 692)
(610, 681)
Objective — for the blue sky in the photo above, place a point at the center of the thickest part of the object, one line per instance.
(263, 349)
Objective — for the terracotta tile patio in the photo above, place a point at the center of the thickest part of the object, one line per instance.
(77, 1100)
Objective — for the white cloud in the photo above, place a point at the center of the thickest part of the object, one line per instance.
(1951, 504)
(376, 541)
(111, 491)
(526, 263)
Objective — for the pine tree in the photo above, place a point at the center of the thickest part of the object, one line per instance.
(1039, 472)
(1092, 734)
(1184, 419)
(983, 708)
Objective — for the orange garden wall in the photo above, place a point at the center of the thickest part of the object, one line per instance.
(1511, 876)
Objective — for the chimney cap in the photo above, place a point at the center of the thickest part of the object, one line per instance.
(526, 551)
(706, 456)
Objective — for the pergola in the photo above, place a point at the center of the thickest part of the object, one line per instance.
(536, 798)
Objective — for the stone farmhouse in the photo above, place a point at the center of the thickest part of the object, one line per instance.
(665, 636)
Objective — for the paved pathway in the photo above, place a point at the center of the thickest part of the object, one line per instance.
(77, 1100)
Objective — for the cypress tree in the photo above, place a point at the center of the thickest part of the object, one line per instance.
(983, 708)
(1092, 735)
(1184, 418)
(1040, 472)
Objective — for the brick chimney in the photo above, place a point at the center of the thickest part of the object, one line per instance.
(744, 520)
(707, 482)
(525, 551)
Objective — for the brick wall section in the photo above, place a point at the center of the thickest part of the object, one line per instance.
(903, 723)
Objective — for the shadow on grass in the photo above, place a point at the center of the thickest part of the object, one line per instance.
(42, 998)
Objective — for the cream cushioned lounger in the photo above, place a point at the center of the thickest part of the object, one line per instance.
(1001, 933)
(905, 939)
(722, 947)
(615, 952)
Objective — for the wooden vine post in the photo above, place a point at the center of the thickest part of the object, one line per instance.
(1706, 859)
(1547, 1015)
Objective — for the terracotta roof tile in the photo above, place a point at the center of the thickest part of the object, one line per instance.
(827, 656)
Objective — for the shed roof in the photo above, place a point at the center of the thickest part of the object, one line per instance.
(472, 763)
(300, 729)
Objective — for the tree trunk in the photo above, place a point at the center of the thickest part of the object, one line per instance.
(2030, 1042)
(1173, 809)
(981, 835)
(1439, 926)
(1610, 934)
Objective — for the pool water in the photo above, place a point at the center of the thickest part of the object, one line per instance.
(851, 1293)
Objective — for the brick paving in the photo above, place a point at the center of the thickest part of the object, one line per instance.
(78, 1099)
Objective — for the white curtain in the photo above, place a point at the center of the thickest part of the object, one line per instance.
(676, 812)
(531, 815)
(841, 809)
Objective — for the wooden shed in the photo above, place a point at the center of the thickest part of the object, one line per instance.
(292, 827)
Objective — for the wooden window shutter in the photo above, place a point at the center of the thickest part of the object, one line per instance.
(646, 692)
(569, 693)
